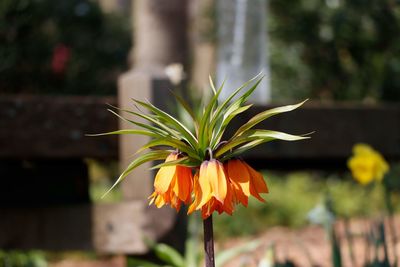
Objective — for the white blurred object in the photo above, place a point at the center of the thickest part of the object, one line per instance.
(242, 46)
(268, 258)
(175, 73)
(321, 215)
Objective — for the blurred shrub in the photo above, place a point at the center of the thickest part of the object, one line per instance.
(22, 259)
(292, 196)
(332, 49)
(60, 47)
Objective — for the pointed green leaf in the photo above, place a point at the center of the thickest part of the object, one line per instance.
(169, 255)
(185, 105)
(127, 131)
(243, 148)
(221, 127)
(264, 115)
(221, 108)
(142, 125)
(251, 135)
(172, 121)
(204, 136)
(150, 156)
(183, 161)
(212, 84)
(176, 144)
(155, 121)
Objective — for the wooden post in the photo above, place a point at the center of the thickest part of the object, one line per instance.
(160, 39)
(160, 33)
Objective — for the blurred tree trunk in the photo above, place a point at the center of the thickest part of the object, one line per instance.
(203, 35)
(160, 33)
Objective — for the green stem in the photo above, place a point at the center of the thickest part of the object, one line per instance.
(209, 242)
(391, 222)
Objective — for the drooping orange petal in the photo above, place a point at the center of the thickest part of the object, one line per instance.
(257, 184)
(229, 202)
(204, 184)
(184, 182)
(258, 180)
(175, 202)
(197, 194)
(165, 175)
(209, 207)
(239, 173)
(238, 195)
(216, 176)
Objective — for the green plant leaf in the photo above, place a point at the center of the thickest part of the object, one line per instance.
(176, 144)
(150, 156)
(154, 119)
(132, 262)
(187, 107)
(169, 255)
(251, 135)
(212, 84)
(221, 108)
(225, 114)
(184, 161)
(222, 125)
(127, 131)
(142, 125)
(243, 148)
(205, 120)
(170, 120)
(264, 115)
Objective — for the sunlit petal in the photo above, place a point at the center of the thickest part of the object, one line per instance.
(165, 175)
(216, 176)
(239, 174)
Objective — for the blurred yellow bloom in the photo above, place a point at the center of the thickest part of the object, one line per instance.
(367, 164)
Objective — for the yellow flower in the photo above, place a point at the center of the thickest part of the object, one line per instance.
(367, 164)
(172, 185)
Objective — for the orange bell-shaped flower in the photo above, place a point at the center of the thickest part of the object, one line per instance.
(211, 189)
(172, 185)
(245, 180)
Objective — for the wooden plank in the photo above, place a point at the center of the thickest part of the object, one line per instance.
(105, 228)
(55, 127)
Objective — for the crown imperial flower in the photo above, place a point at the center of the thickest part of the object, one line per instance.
(200, 169)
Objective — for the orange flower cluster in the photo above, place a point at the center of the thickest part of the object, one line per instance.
(214, 186)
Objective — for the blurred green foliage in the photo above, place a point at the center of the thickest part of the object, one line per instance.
(61, 47)
(335, 50)
(292, 196)
(22, 259)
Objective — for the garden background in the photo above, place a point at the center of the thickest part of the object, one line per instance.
(60, 62)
